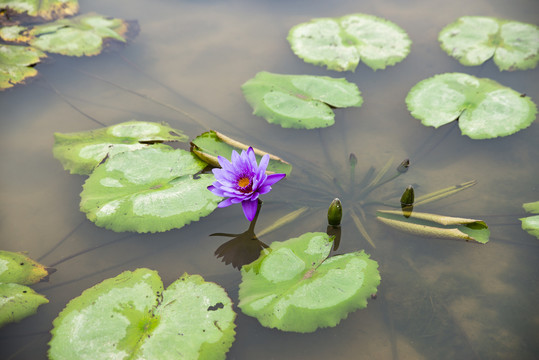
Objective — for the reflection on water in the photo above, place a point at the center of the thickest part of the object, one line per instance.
(438, 299)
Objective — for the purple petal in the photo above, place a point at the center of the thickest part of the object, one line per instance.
(264, 189)
(249, 209)
(225, 164)
(216, 191)
(263, 164)
(252, 158)
(225, 203)
(273, 178)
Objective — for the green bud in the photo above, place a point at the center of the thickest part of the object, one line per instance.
(335, 212)
(407, 197)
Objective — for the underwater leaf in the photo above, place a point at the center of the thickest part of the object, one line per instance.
(18, 268)
(130, 316)
(484, 108)
(437, 226)
(148, 190)
(299, 101)
(531, 223)
(294, 286)
(340, 43)
(18, 302)
(81, 152)
(79, 36)
(211, 144)
(16, 64)
(474, 39)
(45, 9)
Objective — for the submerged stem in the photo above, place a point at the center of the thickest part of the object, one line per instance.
(361, 228)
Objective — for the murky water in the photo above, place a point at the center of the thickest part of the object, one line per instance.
(439, 299)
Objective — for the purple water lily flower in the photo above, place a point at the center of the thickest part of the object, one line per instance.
(243, 180)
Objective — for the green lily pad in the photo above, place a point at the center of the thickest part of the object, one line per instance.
(436, 226)
(299, 101)
(340, 43)
(294, 286)
(81, 152)
(78, 36)
(531, 223)
(16, 64)
(18, 302)
(130, 316)
(18, 268)
(484, 108)
(211, 144)
(45, 9)
(474, 39)
(148, 190)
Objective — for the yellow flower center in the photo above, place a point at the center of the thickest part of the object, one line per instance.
(243, 182)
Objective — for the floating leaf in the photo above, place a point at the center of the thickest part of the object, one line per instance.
(81, 152)
(474, 39)
(531, 223)
(211, 144)
(16, 64)
(18, 268)
(148, 190)
(340, 43)
(484, 108)
(294, 286)
(437, 226)
(78, 36)
(45, 9)
(18, 302)
(299, 101)
(130, 316)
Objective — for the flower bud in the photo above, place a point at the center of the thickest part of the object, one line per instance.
(335, 212)
(352, 160)
(407, 197)
(403, 167)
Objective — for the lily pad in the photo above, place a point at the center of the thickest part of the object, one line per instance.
(294, 286)
(130, 316)
(18, 268)
(45, 9)
(484, 108)
(299, 101)
(436, 226)
(474, 39)
(78, 36)
(531, 223)
(211, 144)
(81, 152)
(148, 190)
(340, 43)
(16, 64)
(18, 301)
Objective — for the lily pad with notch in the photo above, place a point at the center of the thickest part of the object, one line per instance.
(472, 40)
(81, 152)
(132, 316)
(295, 286)
(211, 144)
(484, 108)
(84, 35)
(152, 189)
(531, 223)
(17, 64)
(436, 226)
(340, 43)
(299, 101)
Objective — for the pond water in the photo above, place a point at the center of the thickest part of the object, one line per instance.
(438, 299)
